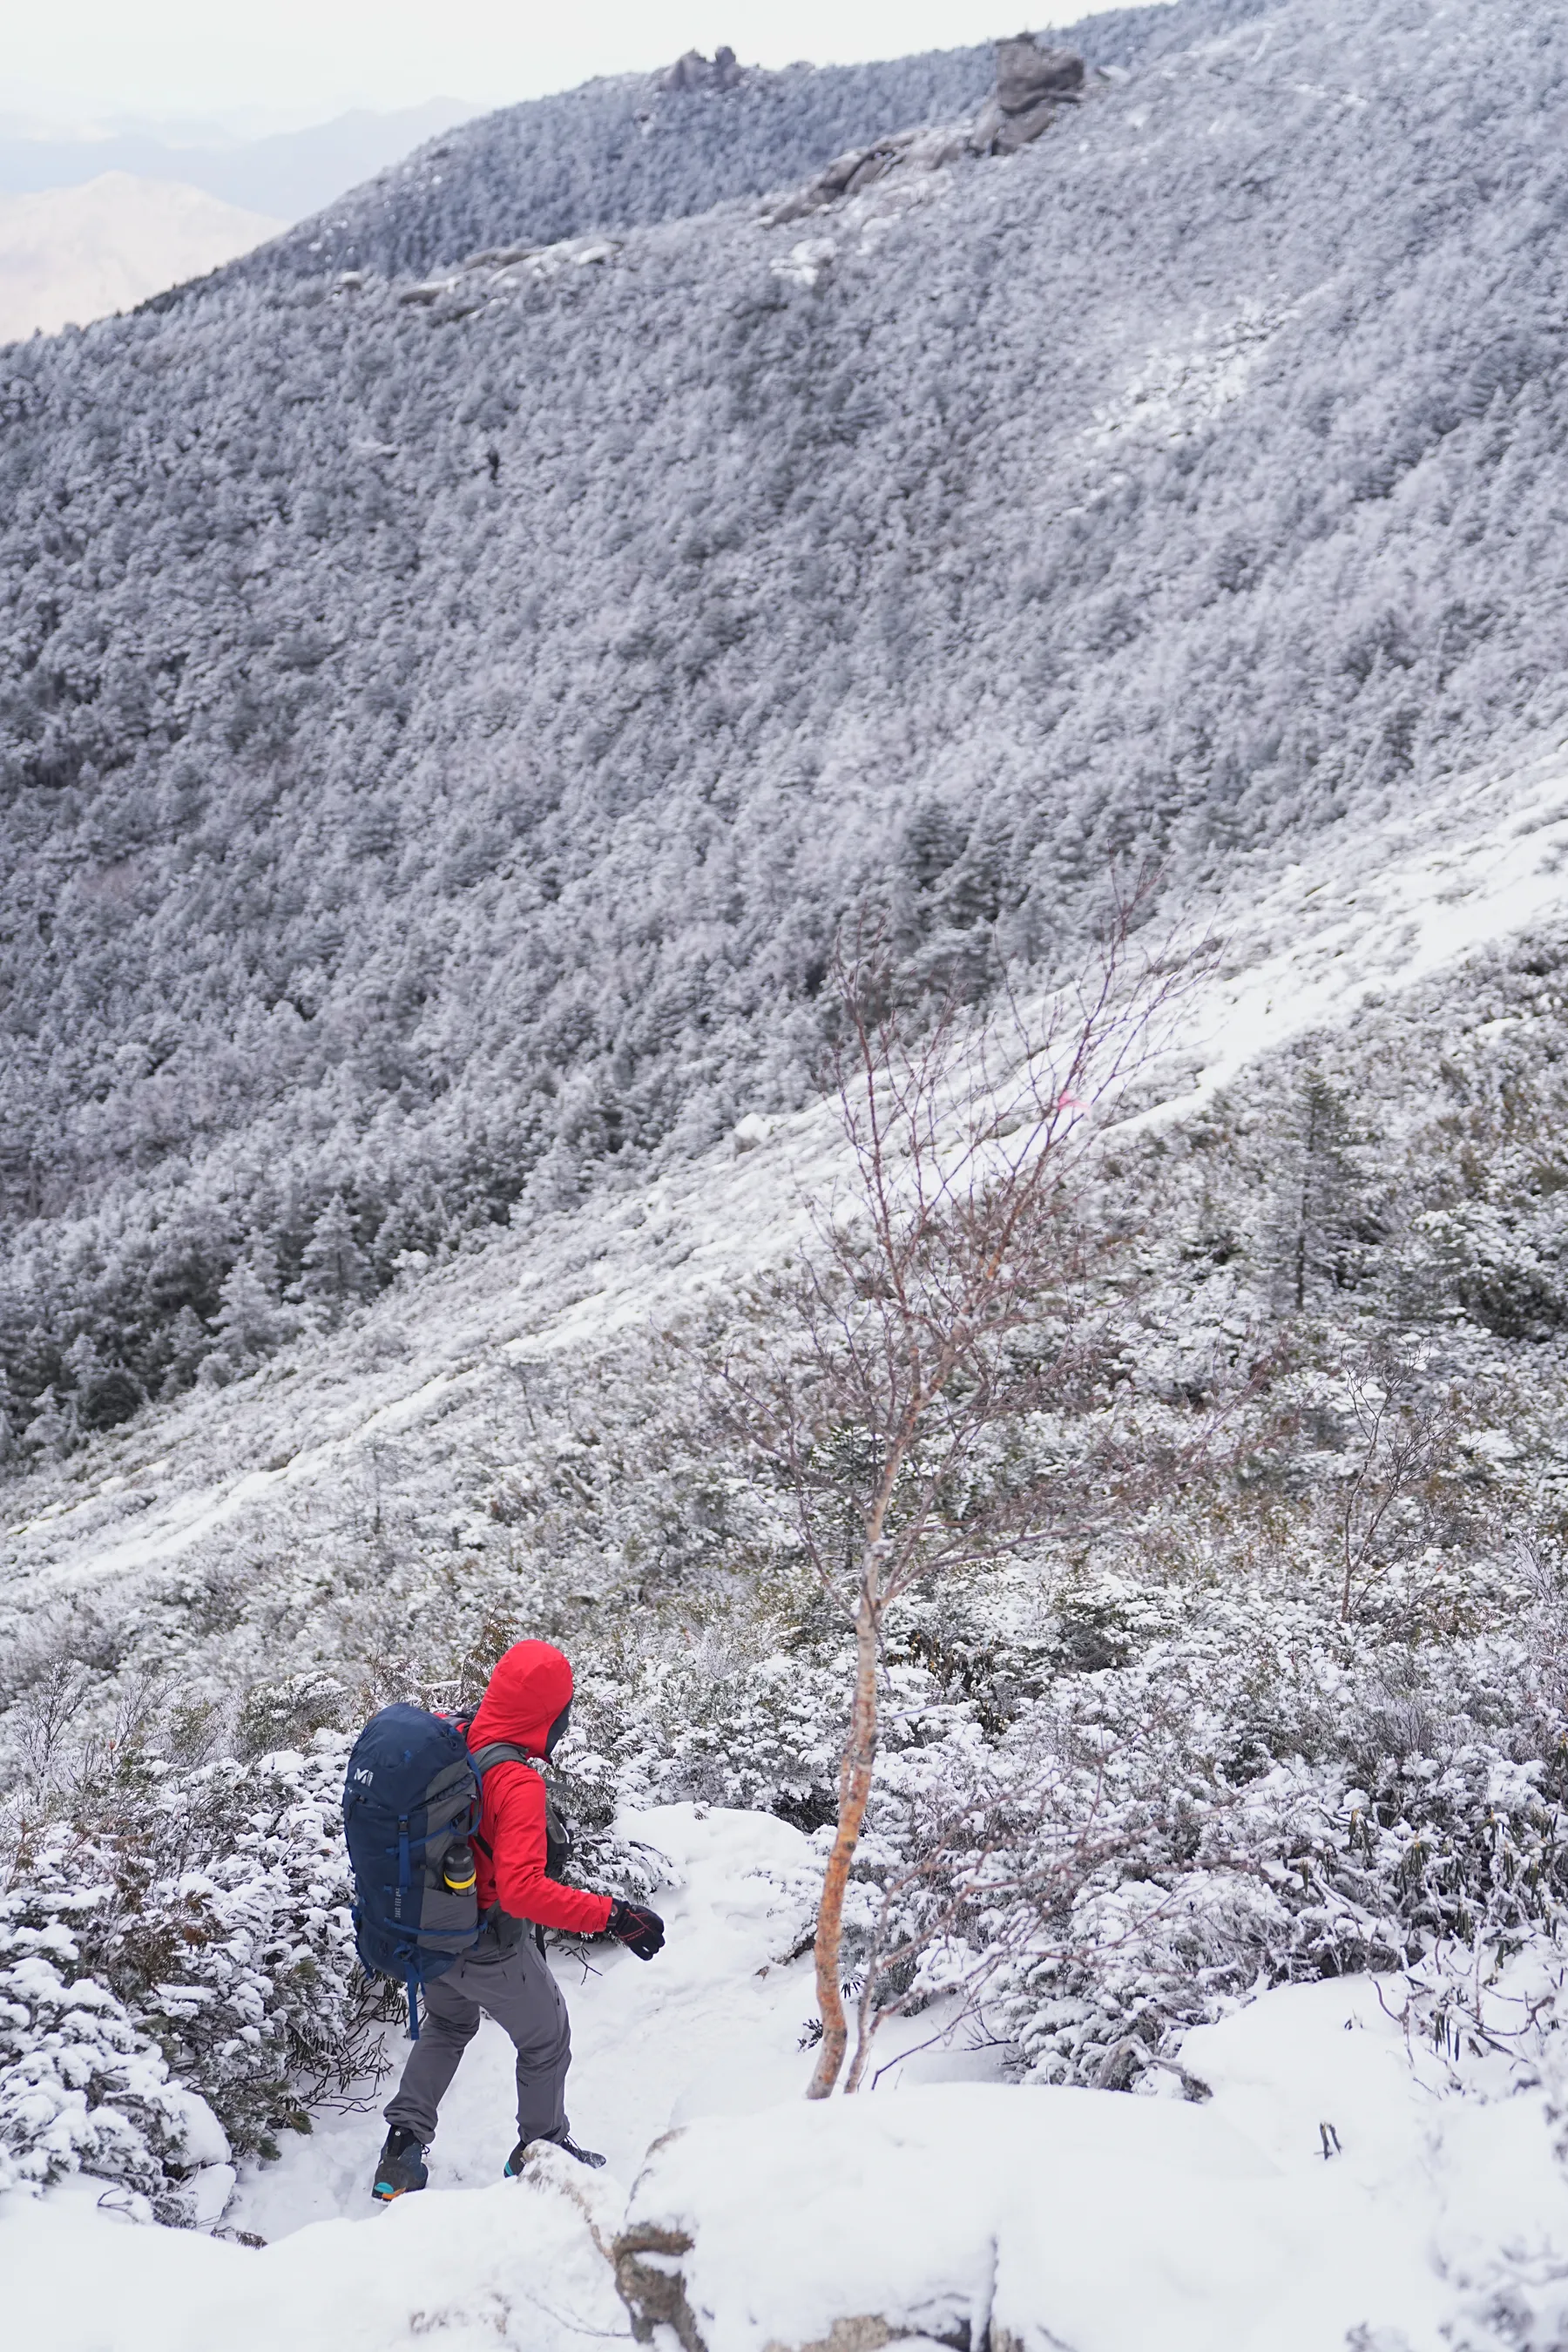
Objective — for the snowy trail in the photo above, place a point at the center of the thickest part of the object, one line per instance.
(711, 2027)
(696, 2030)
(1081, 2213)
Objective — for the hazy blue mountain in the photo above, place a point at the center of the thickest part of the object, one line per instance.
(287, 174)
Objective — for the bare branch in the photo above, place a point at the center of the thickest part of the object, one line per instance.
(945, 1292)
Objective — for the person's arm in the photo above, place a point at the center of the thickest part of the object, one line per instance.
(523, 1887)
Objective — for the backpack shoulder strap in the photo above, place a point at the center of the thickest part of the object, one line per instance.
(496, 1751)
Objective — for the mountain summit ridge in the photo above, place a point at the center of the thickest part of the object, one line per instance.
(631, 150)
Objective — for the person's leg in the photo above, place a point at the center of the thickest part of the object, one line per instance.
(524, 1999)
(451, 2020)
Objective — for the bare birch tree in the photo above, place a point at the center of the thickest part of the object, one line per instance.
(1402, 1441)
(943, 1297)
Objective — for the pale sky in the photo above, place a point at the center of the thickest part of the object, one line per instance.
(307, 57)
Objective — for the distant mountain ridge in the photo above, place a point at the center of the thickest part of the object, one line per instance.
(443, 719)
(79, 253)
(634, 150)
(285, 175)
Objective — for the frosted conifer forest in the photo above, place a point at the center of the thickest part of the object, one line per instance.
(468, 668)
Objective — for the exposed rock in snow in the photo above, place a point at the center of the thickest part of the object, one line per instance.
(1029, 76)
(804, 263)
(1031, 84)
(901, 2211)
(694, 71)
(924, 149)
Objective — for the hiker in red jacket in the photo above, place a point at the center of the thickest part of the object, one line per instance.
(528, 1705)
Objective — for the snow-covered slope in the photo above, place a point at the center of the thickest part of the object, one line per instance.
(446, 717)
(77, 254)
(1406, 903)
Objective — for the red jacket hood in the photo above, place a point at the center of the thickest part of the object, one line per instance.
(530, 1685)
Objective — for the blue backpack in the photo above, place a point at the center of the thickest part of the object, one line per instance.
(411, 1805)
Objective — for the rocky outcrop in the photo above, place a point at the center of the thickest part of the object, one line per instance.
(694, 71)
(649, 2283)
(1028, 75)
(488, 277)
(860, 167)
(1032, 85)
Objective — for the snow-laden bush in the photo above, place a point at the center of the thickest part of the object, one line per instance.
(83, 2089)
(767, 1738)
(192, 1934)
(1121, 1861)
(1103, 1816)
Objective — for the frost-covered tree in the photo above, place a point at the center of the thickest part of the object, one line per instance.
(1327, 1217)
(249, 1319)
(332, 1266)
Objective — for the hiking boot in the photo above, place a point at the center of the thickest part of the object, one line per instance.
(400, 2167)
(561, 2139)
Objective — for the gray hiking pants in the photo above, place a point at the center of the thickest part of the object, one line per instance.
(518, 1990)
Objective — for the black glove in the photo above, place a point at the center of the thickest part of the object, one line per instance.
(640, 1930)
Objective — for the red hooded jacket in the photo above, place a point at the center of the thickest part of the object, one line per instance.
(530, 1686)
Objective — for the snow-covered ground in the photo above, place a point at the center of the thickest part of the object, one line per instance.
(1074, 2218)
(1342, 2176)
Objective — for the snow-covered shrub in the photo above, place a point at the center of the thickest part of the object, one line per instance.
(193, 1935)
(83, 2089)
(606, 1856)
(1520, 2306)
(766, 1736)
(1253, 1794)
